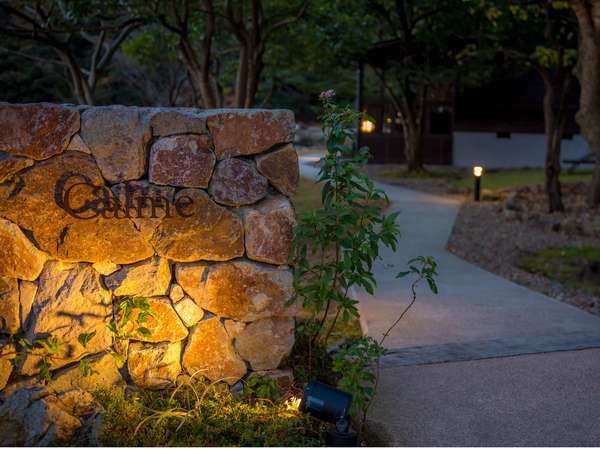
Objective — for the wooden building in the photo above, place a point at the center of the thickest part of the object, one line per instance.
(499, 125)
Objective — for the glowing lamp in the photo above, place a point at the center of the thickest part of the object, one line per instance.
(331, 405)
(366, 126)
(477, 173)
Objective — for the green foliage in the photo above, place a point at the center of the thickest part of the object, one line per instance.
(354, 365)
(199, 414)
(261, 388)
(51, 348)
(127, 306)
(571, 266)
(334, 247)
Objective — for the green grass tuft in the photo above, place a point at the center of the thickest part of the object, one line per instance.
(200, 414)
(575, 267)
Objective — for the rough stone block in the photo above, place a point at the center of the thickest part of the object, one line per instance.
(170, 121)
(183, 160)
(117, 137)
(146, 278)
(38, 130)
(236, 182)
(145, 204)
(10, 165)
(281, 168)
(210, 353)
(164, 324)
(189, 311)
(67, 304)
(19, 258)
(154, 366)
(276, 334)
(247, 132)
(200, 230)
(239, 290)
(45, 201)
(10, 320)
(269, 229)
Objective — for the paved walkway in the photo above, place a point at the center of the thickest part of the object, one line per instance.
(478, 364)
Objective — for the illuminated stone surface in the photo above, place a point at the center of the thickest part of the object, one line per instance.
(19, 258)
(236, 182)
(37, 130)
(67, 304)
(31, 203)
(191, 278)
(210, 353)
(281, 168)
(146, 278)
(6, 366)
(105, 268)
(183, 160)
(105, 375)
(154, 366)
(189, 311)
(175, 293)
(63, 271)
(269, 229)
(164, 325)
(32, 417)
(145, 204)
(243, 291)
(274, 334)
(210, 232)
(10, 165)
(117, 137)
(27, 291)
(247, 132)
(10, 320)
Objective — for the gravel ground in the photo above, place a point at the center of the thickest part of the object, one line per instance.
(494, 234)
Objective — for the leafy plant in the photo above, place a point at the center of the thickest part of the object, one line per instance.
(50, 348)
(358, 364)
(261, 388)
(334, 247)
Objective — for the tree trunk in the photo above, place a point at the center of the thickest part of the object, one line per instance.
(413, 146)
(588, 72)
(241, 81)
(81, 90)
(554, 124)
(199, 75)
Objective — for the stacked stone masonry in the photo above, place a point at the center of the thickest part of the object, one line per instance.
(185, 207)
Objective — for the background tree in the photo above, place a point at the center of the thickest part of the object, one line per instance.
(84, 35)
(587, 13)
(209, 32)
(542, 36)
(432, 37)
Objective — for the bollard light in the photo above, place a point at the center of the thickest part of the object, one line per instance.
(367, 126)
(331, 405)
(477, 173)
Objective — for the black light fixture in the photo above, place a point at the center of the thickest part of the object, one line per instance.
(331, 405)
(477, 173)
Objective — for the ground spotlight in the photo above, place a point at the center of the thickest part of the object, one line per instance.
(477, 173)
(331, 405)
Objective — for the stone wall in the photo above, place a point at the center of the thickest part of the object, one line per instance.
(187, 208)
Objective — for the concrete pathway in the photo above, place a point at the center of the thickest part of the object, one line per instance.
(443, 382)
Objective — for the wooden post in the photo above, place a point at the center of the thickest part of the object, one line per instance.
(360, 77)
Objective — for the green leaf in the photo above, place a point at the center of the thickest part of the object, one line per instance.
(85, 338)
(144, 331)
